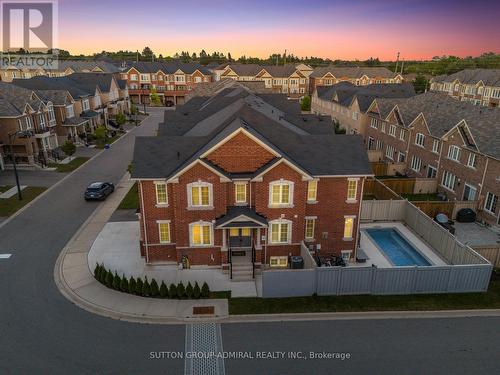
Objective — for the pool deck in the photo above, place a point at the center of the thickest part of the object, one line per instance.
(376, 258)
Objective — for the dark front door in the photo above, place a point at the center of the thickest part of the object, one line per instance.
(240, 237)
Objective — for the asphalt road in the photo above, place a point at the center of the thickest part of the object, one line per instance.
(42, 333)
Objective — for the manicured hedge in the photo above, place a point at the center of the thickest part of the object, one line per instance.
(148, 288)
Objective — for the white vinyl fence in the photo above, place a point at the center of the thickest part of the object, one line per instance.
(466, 270)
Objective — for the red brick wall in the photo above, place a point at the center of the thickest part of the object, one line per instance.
(330, 211)
(240, 154)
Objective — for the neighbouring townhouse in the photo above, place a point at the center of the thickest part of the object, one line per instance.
(27, 126)
(64, 68)
(234, 182)
(479, 86)
(347, 104)
(171, 80)
(359, 76)
(289, 79)
(434, 136)
(95, 99)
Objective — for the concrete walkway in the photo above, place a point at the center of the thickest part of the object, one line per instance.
(11, 192)
(76, 282)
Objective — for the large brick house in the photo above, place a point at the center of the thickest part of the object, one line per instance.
(233, 178)
(479, 86)
(171, 80)
(359, 76)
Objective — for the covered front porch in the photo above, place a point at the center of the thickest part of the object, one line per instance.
(242, 232)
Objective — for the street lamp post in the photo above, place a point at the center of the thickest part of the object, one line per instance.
(12, 137)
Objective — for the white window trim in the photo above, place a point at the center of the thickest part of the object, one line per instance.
(486, 208)
(352, 200)
(158, 204)
(158, 222)
(315, 200)
(473, 159)
(422, 137)
(278, 259)
(200, 183)
(454, 181)
(243, 202)
(202, 223)
(313, 219)
(450, 154)
(435, 149)
(290, 192)
(289, 234)
(353, 225)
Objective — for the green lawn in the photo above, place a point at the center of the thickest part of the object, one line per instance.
(488, 300)
(11, 205)
(420, 197)
(71, 166)
(131, 200)
(4, 188)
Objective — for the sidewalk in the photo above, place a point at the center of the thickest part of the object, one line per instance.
(76, 282)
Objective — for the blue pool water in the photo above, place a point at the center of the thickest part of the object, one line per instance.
(396, 247)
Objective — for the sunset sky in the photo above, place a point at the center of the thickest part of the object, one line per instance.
(329, 29)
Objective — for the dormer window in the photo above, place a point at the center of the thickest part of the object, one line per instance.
(281, 193)
(85, 105)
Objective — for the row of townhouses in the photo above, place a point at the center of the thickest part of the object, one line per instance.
(245, 178)
(479, 86)
(63, 68)
(39, 114)
(430, 136)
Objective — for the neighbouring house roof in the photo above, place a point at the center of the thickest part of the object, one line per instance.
(345, 92)
(352, 72)
(89, 114)
(205, 123)
(87, 66)
(13, 100)
(489, 77)
(245, 70)
(442, 113)
(240, 216)
(57, 97)
(56, 83)
(284, 71)
(75, 121)
(167, 67)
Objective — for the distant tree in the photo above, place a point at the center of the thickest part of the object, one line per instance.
(420, 83)
(229, 58)
(147, 54)
(305, 103)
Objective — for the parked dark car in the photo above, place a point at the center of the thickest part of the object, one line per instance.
(98, 191)
(466, 215)
(446, 223)
(169, 103)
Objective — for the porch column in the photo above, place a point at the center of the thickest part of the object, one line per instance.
(257, 245)
(224, 240)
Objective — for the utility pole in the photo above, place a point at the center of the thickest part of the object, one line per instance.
(397, 63)
(284, 58)
(402, 66)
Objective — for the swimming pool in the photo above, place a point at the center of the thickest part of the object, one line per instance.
(396, 248)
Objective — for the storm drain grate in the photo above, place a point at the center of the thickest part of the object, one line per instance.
(203, 352)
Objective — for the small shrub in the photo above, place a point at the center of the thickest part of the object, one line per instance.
(124, 284)
(117, 281)
(138, 286)
(196, 291)
(189, 291)
(163, 290)
(120, 119)
(97, 270)
(172, 291)
(205, 290)
(103, 275)
(131, 285)
(109, 279)
(146, 288)
(155, 291)
(181, 290)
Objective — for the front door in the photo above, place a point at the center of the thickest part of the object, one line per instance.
(240, 237)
